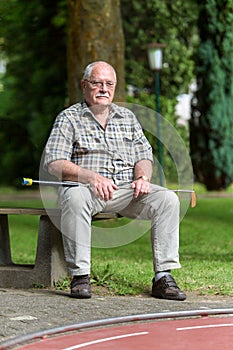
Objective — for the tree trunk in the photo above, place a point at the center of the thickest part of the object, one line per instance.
(94, 33)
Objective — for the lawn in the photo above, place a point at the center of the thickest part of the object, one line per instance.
(206, 250)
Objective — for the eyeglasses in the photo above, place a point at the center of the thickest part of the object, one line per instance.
(98, 84)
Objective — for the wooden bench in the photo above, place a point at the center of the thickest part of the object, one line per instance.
(49, 262)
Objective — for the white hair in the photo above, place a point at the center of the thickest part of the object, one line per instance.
(89, 68)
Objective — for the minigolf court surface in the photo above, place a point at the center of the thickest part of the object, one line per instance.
(189, 330)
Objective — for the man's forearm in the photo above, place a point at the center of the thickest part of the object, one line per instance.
(143, 168)
(68, 171)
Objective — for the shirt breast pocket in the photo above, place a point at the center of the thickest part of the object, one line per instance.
(127, 141)
(128, 148)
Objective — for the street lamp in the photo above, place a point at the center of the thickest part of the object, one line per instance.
(155, 57)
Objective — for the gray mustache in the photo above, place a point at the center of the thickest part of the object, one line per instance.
(102, 94)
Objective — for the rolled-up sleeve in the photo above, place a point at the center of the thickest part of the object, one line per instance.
(60, 142)
(142, 147)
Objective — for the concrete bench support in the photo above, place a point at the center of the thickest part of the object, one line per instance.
(49, 263)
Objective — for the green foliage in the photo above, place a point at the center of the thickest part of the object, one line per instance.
(62, 284)
(156, 21)
(102, 278)
(212, 122)
(167, 111)
(169, 22)
(34, 84)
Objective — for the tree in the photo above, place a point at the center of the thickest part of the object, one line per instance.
(34, 43)
(212, 118)
(94, 33)
(36, 78)
(38, 83)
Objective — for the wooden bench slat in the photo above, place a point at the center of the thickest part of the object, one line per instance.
(102, 216)
(52, 212)
(32, 211)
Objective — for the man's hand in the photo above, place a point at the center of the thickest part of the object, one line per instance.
(141, 187)
(102, 187)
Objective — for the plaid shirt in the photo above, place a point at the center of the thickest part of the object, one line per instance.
(112, 152)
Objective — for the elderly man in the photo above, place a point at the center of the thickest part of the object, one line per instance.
(102, 145)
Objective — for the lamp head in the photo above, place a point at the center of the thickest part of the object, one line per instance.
(155, 55)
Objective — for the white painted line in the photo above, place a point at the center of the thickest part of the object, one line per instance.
(23, 318)
(105, 340)
(206, 326)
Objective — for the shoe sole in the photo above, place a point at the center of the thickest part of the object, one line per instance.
(160, 296)
(80, 296)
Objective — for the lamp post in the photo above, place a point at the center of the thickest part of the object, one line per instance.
(155, 57)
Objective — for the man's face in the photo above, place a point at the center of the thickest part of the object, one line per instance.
(99, 88)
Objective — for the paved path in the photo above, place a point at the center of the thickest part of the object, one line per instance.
(27, 311)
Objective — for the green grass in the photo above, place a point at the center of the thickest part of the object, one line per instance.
(25, 197)
(24, 231)
(206, 252)
(23, 228)
(206, 247)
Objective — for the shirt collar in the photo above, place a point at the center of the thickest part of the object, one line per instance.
(115, 110)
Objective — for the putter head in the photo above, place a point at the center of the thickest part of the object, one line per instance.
(193, 200)
(27, 182)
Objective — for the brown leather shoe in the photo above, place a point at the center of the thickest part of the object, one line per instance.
(80, 287)
(166, 288)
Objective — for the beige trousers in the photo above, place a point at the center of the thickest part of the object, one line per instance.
(161, 207)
